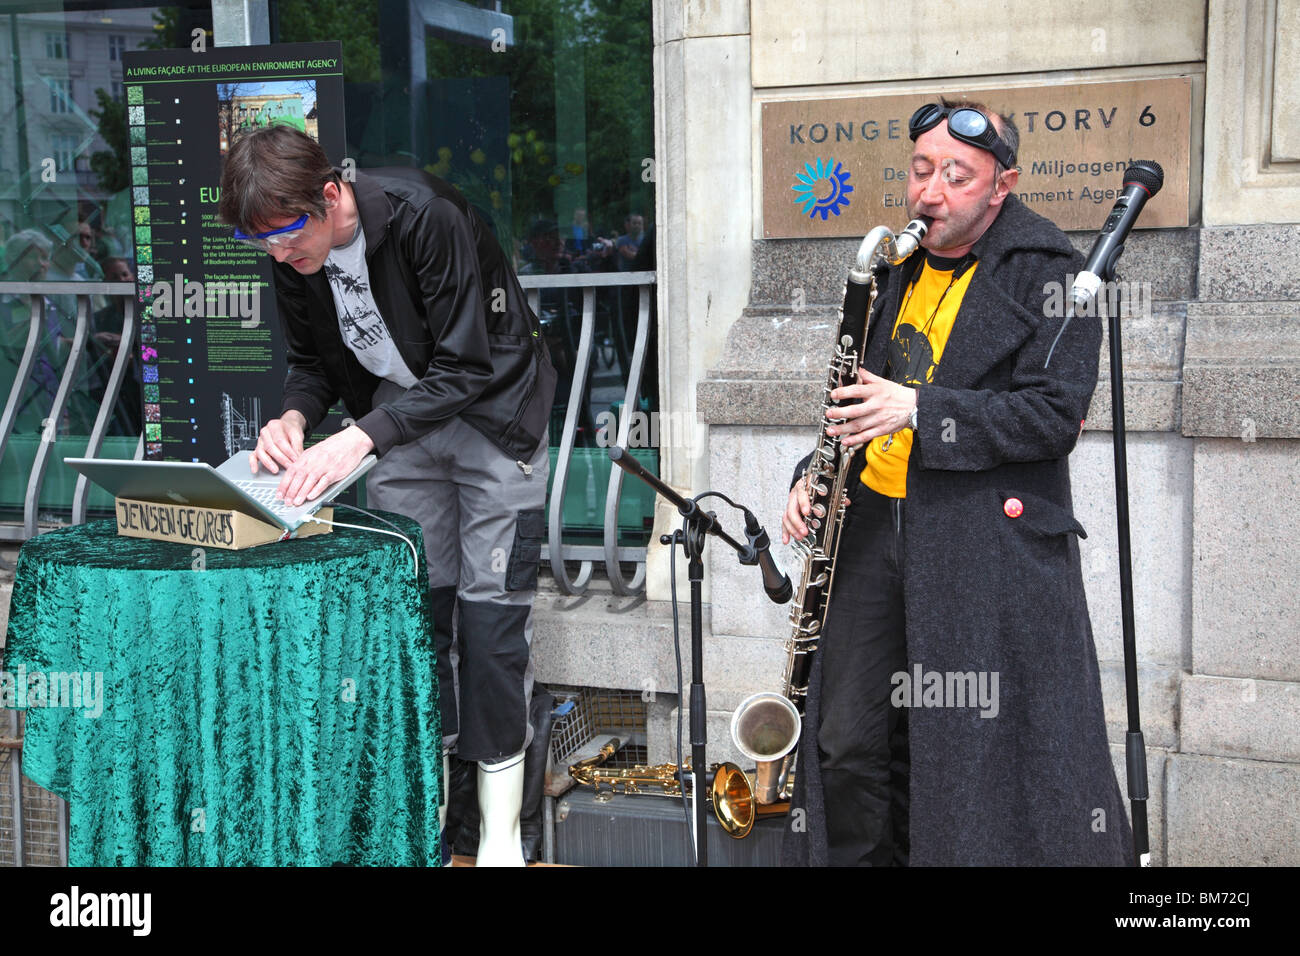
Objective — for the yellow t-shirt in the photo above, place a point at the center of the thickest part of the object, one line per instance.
(921, 331)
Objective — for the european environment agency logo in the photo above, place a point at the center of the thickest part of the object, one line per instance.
(823, 187)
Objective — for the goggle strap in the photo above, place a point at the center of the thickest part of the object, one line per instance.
(919, 125)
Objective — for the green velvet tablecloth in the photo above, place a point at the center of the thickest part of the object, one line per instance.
(272, 706)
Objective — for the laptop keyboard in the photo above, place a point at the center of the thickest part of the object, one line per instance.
(264, 494)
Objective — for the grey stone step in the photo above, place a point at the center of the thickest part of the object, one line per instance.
(600, 640)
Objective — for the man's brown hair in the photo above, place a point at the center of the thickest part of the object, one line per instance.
(273, 172)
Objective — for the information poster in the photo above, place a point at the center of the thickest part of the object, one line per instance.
(838, 167)
(213, 361)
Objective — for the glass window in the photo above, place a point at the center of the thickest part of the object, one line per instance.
(65, 149)
(60, 94)
(541, 113)
(65, 214)
(56, 46)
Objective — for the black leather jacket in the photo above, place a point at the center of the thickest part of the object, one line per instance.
(454, 309)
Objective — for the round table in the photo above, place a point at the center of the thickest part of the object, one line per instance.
(272, 706)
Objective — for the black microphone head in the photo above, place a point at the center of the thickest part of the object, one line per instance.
(1147, 174)
(782, 594)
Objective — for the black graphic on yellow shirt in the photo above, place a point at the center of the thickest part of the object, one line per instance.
(910, 351)
(925, 320)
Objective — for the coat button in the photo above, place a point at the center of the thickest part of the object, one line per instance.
(1013, 507)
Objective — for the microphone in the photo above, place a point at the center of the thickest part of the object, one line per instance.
(1142, 180)
(757, 551)
(775, 582)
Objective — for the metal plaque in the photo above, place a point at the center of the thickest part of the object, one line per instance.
(838, 167)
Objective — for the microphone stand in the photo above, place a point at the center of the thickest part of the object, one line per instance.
(1142, 180)
(1134, 743)
(1134, 746)
(696, 525)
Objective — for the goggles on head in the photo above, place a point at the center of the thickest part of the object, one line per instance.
(284, 236)
(968, 125)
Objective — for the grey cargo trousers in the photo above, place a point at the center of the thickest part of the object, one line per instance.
(483, 521)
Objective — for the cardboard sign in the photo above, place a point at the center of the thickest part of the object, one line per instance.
(204, 527)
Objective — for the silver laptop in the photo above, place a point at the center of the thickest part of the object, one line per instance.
(230, 485)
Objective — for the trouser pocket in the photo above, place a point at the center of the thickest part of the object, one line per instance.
(526, 553)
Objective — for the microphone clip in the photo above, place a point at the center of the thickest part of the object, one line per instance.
(756, 539)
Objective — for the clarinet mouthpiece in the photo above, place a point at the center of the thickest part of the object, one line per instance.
(909, 240)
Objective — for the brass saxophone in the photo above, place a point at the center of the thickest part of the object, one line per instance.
(766, 726)
(730, 794)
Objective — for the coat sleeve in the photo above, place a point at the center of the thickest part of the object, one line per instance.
(799, 469)
(441, 248)
(307, 389)
(1039, 417)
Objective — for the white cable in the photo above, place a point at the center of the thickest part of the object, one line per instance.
(360, 527)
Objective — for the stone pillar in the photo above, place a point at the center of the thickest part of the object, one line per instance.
(703, 221)
(1252, 132)
(240, 22)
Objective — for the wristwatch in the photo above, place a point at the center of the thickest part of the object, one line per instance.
(912, 422)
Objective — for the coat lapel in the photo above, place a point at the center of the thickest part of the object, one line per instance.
(988, 328)
(319, 287)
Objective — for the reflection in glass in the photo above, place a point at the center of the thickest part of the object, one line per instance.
(541, 113)
(65, 216)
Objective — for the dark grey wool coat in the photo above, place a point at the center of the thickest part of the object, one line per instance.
(986, 592)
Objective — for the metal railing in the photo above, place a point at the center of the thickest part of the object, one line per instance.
(33, 821)
(35, 828)
(557, 552)
(38, 294)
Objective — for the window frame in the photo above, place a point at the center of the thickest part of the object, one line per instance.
(60, 94)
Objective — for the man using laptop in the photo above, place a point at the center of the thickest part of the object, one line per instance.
(395, 297)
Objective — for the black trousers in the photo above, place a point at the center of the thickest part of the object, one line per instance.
(862, 740)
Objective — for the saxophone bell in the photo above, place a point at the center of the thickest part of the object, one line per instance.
(765, 728)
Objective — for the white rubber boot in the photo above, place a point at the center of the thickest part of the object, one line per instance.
(500, 797)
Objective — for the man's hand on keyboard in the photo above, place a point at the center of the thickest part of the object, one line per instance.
(323, 464)
(279, 443)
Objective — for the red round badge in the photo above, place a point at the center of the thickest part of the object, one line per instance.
(1013, 507)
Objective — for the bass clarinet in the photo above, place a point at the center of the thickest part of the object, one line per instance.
(766, 726)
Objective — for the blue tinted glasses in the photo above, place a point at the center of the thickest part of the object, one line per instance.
(284, 236)
(968, 125)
